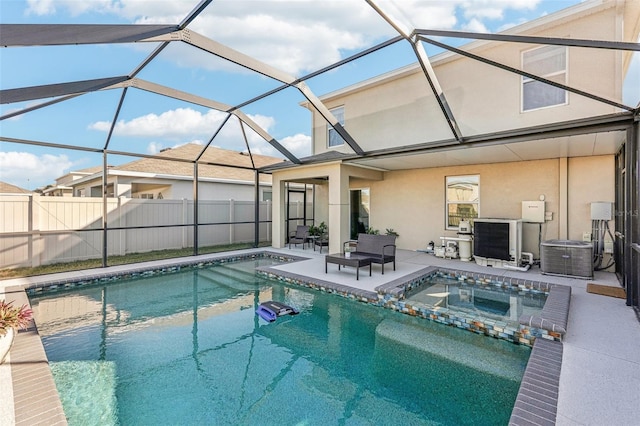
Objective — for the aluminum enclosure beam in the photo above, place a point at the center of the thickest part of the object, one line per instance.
(12, 35)
(252, 64)
(427, 69)
(22, 94)
(526, 74)
(75, 88)
(198, 100)
(572, 42)
(114, 152)
(607, 123)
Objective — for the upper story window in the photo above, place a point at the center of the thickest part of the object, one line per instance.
(333, 137)
(463, 199)
(549, 62)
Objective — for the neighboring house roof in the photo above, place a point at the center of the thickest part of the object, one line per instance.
(7, 188)
(87, 171)
(77, 174)
(240, 166)
(212, 155)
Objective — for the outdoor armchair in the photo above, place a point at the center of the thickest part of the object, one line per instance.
(300, 236)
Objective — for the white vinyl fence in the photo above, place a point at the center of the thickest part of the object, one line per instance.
(37, 230)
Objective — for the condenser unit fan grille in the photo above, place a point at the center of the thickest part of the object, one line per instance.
(567, 258)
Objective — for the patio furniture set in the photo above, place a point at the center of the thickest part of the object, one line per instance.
(302, 236)
(369, 248)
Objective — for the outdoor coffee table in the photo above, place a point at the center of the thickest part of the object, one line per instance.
(355, 260)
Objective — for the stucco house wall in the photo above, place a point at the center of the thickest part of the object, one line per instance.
(412, 202)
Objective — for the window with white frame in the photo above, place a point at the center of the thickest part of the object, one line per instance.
(463, 199)
(549, 62)
(333, 137)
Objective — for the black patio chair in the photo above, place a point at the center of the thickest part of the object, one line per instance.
(300, 236)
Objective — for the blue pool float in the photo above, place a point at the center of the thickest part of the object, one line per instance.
(270, 311)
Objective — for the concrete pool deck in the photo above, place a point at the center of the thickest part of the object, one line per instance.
(600, 362)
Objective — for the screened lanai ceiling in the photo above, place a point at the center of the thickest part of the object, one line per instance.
(133, 78)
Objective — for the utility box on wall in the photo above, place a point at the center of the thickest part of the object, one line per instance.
(533, 211)
(601, 210)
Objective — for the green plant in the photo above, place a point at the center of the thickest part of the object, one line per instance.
(318, 231)
(11, 317)
(372, 231)
(390, 231)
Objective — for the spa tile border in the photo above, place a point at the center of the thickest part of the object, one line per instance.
(550, 325)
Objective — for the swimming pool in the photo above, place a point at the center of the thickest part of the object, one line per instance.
(187, 348)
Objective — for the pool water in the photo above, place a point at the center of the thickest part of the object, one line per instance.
(188, 349)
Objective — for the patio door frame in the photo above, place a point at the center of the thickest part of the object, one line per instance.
(627, 235)
(354, 216)
(296, 220)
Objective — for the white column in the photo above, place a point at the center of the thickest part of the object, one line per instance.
(338, 208)
(277, 225)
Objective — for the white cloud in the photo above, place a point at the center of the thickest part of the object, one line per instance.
(29, 171)
(422, 14)
(474, 25)
(299, 145)
(172, 128)
(494, 9)
(73, 7)
(173, 124)
(41, 7)
(294, 36)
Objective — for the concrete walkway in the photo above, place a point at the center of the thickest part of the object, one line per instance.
(600, 378)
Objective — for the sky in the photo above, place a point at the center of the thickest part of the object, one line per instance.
(297, 37)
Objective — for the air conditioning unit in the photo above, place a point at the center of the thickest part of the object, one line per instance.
(567, 258)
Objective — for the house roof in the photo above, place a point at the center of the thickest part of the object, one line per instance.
(215, 163)
(7, 188)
